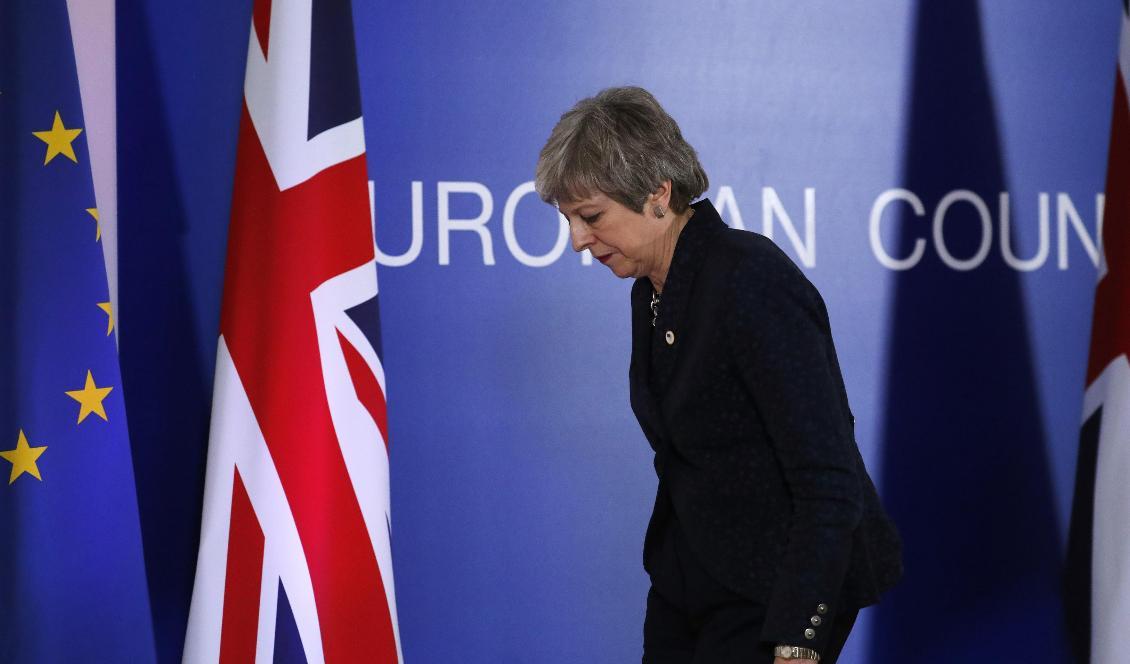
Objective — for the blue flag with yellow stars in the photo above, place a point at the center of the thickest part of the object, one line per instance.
(72, 577)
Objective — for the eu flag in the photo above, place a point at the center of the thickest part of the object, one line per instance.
(72, 581)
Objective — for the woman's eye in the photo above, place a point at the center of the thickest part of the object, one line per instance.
(590, 220)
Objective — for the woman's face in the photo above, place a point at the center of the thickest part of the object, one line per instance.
(624, 240)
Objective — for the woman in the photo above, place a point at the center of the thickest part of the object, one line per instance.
(767, 534)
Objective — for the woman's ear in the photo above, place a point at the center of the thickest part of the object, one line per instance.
(659, 201)
(662, 194)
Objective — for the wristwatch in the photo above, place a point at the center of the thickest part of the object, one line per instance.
(796, 652)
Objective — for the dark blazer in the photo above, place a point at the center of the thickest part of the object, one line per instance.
(739, 392)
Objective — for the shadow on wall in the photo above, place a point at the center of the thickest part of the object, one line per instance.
(10, 124)
(965, 472)
(168, 398)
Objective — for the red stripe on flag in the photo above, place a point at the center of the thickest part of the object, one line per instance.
(281, 246)
(261, 18)
(244, 580)
(1110, 327)
(368, 390)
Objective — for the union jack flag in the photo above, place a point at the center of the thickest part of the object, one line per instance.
(295, 561)
(1098, 552)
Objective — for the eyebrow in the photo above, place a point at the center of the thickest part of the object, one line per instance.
(576, 209)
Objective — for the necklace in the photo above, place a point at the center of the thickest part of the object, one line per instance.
(655, 295)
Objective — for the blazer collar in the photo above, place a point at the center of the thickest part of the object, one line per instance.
(639, 374)
(691, 250)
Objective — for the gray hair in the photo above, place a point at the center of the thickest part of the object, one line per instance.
(623, 144)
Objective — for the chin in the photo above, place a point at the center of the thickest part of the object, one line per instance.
(622, 273)
(623, 269)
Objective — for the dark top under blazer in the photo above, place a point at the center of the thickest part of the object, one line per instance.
(745, 407)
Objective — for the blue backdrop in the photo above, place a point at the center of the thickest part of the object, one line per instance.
(933, 167)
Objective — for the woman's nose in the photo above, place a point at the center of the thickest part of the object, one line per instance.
(580, 235)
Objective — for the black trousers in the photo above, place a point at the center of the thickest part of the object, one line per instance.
(693, 619)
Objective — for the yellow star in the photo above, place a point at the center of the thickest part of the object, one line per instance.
(90, 397)
(97, 226)
(23, 459)
(58, 140)
(105, 306)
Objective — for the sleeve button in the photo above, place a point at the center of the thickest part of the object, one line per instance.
(670, 337)
(821, 608)
(816, 620)
(810, 633)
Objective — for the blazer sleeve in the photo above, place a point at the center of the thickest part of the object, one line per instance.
(780, 338)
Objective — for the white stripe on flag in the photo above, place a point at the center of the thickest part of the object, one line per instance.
(236, 441)
(279, 101)
(1110, 555)
(362, 445)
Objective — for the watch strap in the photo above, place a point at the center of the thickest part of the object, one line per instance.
(796, 652)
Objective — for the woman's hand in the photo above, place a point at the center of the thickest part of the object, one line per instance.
(780, 660)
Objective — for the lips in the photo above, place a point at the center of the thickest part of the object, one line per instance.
(605, 258)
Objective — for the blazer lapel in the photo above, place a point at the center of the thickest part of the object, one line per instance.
(643, 400)
(691, 251)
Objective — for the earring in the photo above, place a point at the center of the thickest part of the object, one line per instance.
(659, 211)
